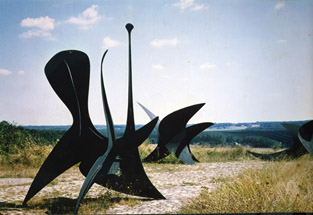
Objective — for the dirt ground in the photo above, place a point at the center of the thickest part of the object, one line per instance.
(177, 182)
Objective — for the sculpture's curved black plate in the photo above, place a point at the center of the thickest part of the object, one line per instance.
(68, 74)
(173, 136)
(191, 132)
(273, 156)
(306, 136)
(173, 123)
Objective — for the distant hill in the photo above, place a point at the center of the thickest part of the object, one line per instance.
(217, 126)
(254, 125)
(254, 134)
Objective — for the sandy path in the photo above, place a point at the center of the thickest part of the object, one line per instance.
(177, 183)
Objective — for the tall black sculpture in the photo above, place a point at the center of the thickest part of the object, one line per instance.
(117, 151)
(305, 135)
(174, 137)
(133, 179)
(68, 74)
(296, 150)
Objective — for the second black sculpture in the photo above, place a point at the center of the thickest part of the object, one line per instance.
(296, 150)
(68, 73)
(174, 137)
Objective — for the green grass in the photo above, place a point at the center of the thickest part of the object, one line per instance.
(285, 186)
(203, 154)
(25, 162)
(30, 155)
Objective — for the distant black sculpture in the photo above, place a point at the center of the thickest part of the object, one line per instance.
(174, 137)
(305, 135)
(296, 150)
(68, 74)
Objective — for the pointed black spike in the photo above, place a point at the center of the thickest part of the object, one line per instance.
(193, 157)
(107, 113)
(148, 112)
(63, 156)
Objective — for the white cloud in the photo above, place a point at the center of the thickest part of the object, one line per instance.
(280, 5)
(5, 72)
(281, 41)
(158, 67)
(109, 43)
(183, 4)
(21, 72)
(189, 4)
(207, 66)
(161, 43)
(40, 27)
(42, 23)
(198, 7)
(37, 33)
(89, 17)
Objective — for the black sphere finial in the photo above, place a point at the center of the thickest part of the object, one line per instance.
(129, 27)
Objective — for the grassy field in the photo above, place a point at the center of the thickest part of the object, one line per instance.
(27, 160)
(203, 154)
(285, 186)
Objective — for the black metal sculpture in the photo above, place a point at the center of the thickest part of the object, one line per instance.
(133, 179)
(305, 135)
(68, 74)
(117, 152)
(174, 137)
(296, 150)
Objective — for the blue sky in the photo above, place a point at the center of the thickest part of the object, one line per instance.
(248, 60)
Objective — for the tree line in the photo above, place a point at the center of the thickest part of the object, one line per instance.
(13, 136)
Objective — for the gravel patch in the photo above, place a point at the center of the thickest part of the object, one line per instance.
(183, 184)
(15, 181)
(177, 182)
